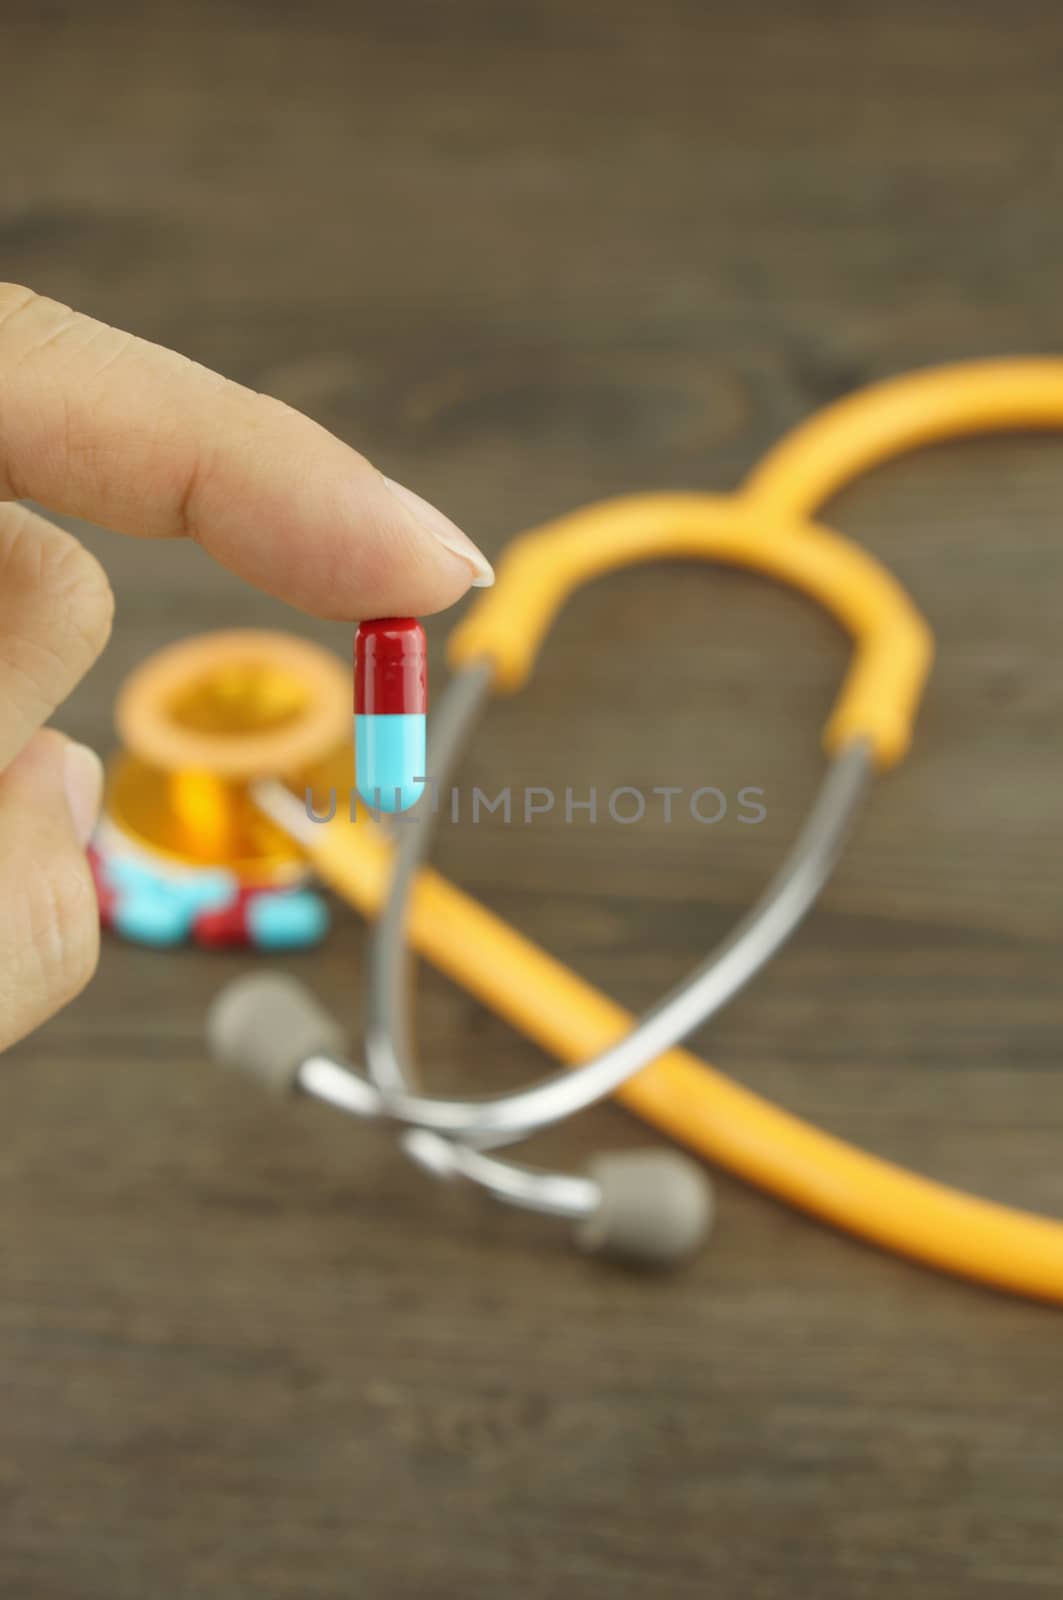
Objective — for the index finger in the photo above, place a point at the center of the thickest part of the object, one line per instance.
(99, 424)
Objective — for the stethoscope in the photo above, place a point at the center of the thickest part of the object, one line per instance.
(654, 1208)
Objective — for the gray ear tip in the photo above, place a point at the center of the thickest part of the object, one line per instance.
(266, 1025)
(655, 1211)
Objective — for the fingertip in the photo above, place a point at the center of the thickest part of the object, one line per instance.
(430, 520)
(393, 554)
(380, 558)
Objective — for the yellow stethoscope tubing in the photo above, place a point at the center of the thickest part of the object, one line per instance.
(541, 568)
(942, 1227)
(835, 446)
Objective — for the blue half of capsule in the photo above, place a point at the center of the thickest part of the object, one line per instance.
(389, 753)
(294, 921)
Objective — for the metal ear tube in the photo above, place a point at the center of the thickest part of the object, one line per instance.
(646, 1208)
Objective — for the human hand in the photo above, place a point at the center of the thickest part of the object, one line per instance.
(101, 425)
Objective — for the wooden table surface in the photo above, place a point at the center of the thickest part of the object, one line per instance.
(527, 255)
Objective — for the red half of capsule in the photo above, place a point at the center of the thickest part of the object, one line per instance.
(390, 668)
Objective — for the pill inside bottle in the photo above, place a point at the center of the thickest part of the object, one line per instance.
(390, 712)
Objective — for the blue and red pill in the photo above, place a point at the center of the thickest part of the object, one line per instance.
(166, 905)
(390, 712)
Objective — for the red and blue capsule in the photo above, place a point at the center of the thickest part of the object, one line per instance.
(390, 712)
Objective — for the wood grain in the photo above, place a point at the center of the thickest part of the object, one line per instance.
(523, 256)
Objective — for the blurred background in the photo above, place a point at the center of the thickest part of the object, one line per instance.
(523, 256)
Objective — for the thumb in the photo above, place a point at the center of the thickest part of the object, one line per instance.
(49, 931)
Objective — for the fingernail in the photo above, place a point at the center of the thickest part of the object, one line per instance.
(446, 532)
(83, 778)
